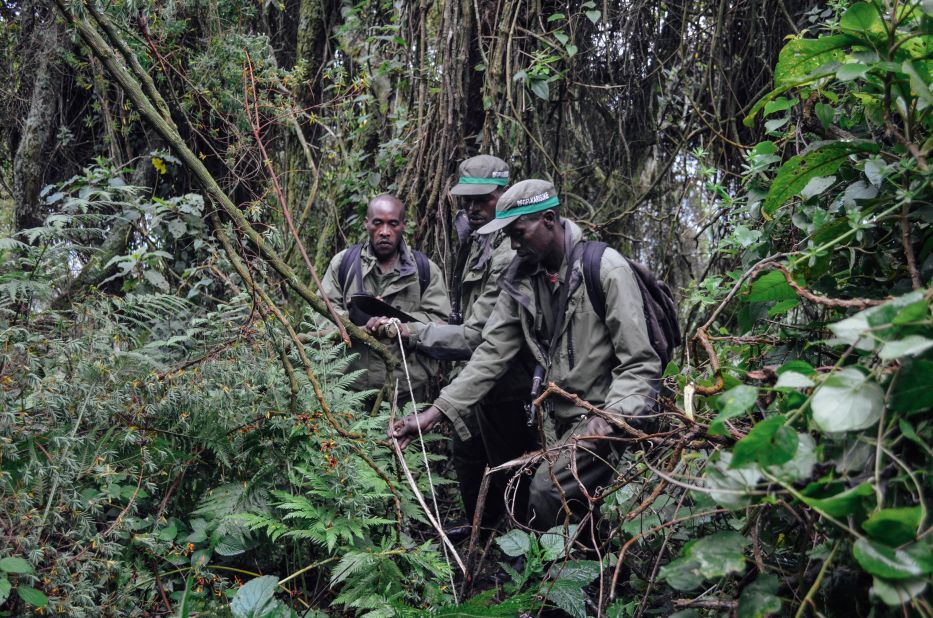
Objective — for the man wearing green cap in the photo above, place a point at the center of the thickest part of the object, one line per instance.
(544, 309)
(481, 260)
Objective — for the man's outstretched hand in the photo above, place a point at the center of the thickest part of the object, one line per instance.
(406, 429)
(378, 327)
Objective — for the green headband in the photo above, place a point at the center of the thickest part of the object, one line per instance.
(527, 210)
(472, 180)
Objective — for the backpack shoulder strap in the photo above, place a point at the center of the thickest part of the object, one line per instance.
(424, 270)
(592, 258)
(350, 259)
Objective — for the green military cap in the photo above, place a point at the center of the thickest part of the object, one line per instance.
(481, 175)
(524, 198)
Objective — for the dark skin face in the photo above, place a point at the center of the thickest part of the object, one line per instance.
(538, 239)
(385, 222)
(481, 209)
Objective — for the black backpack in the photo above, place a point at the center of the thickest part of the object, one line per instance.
(658, 301)
(351, 259)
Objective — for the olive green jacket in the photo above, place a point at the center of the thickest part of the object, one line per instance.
(488, 258)
(610, 363)
(403, 292)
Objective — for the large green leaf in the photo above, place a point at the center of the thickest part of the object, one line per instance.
(31, 596)
(800, 467)
(712, 556)
(564, 586)
(862, 19)
(730, 487)
(734, 402)
(824, 159)
(910, 345)
(554, 542)
(894, 526)
(256, 599)
(759, 599)
(843, 504)
(15, 564)
(846, 401)
(769, 443)
(912, 392)
(514, 543)
(5, 588)
(889, 563)
(771, 286)
(800, 57)
(895, 593)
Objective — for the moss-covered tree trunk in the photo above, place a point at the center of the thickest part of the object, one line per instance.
(311, 53)
(38, 130)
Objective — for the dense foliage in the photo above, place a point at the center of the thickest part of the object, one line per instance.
(177, 436)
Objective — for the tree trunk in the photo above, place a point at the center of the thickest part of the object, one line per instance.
(40, 126)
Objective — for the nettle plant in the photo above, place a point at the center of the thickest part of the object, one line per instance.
(821, 342)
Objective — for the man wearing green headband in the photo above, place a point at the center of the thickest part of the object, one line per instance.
(481, 260)
(544, 309)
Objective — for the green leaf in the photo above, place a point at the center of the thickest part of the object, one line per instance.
(769, 443)
(917, 83)
(554, 543)
(5, 588)
(734, 402)
(895, 593)
(555, 17)
(565, 584)
(797, 366)
(912, 392)
(256, 598)
(716, 555)
(562, 37)
(844, 503)
(729, 487)
(514, 543)
(894, 526)
(169, 532)
(816, 186)
(593, 15)
(541, 89)
(200, 558)
(890, 563)
(825, 114)
(792, 379)
(759, 599)
(861, 18)
(14, 564)
(567, 595)
(908, 346)
(571, 50)
(848, 72)
(911, 434)
(779, 104)
(800, 57)
(782, 306)
(846, 401)
(801, 466)
(776, 123)
(771, 286)
(31, 596)
(822, 160)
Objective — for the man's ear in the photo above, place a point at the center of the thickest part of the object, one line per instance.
(549, 218)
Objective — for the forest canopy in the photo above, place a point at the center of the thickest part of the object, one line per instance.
(179, 435)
